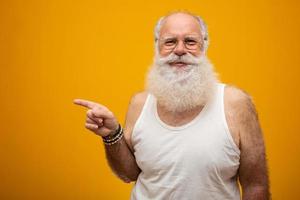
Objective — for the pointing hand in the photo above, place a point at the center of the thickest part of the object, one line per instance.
(100, 119)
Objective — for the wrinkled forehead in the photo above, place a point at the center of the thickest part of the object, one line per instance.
(180, 24)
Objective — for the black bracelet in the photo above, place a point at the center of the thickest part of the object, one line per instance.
(112, 139)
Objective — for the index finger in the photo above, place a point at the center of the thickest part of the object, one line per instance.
(85, 103)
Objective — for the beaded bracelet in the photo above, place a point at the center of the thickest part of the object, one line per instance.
(111, 143)
(110, 140)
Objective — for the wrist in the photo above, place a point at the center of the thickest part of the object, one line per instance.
(116, 130)
(114, 136)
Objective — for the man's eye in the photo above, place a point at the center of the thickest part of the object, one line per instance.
(170, 42)
(191, 42)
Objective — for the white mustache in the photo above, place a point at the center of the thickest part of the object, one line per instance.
(187, 58)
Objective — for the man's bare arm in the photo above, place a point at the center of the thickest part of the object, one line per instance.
(128, 169)
(120, 155)
(253, 171)
(122, 161)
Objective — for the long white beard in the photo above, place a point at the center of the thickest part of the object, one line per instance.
(181, 89)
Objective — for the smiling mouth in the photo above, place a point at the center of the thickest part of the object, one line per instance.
(178, 64)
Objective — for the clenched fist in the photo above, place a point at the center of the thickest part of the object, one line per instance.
(99, 119)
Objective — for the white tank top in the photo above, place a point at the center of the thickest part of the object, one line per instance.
(196, 161)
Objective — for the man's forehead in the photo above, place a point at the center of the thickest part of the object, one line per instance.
(180, 23)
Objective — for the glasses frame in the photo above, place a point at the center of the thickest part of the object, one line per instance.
(162, 41)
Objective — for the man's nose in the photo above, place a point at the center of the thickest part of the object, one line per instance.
(180, 49)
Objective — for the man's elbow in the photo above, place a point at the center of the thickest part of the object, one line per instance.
(129, 178)
(260, 192)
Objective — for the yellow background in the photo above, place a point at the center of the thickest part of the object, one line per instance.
(54, 51)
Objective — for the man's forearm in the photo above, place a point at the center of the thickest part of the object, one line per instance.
(256, 193)
(122, 161)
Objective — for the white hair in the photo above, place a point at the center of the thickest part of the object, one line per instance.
(202, 26)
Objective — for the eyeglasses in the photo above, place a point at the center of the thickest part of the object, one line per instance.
(170, 43)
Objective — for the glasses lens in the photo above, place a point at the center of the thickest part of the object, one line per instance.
(190, 43)
(168, 43)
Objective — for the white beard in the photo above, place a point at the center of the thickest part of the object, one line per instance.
(181, 89)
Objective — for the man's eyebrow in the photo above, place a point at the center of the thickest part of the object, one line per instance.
(192, 36)
(174, 36)
(169, 37)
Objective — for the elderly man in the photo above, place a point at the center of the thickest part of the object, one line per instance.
(187, 136)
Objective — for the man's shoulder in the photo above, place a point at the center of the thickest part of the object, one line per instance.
(134, 110)
(238, 110)
(139, 98)
(135, 107)
(236, 97)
